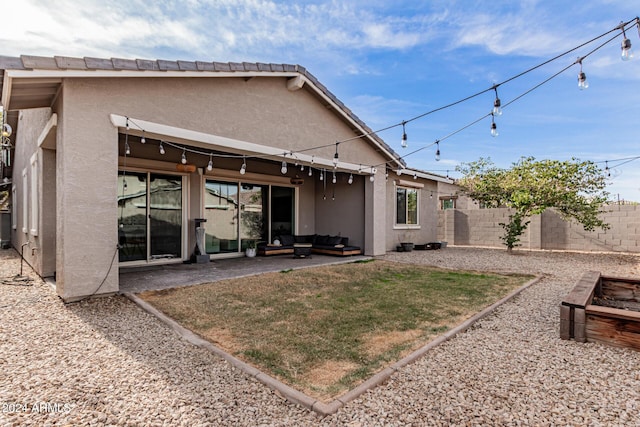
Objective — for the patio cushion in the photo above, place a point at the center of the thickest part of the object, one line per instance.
(287, 240)
(334, 240)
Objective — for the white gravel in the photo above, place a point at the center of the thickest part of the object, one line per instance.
(107, 362)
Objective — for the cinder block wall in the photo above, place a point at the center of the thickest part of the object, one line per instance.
(546, 231)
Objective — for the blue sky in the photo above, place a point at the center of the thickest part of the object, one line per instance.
(390, 61)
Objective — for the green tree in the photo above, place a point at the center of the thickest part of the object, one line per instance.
(574, 188)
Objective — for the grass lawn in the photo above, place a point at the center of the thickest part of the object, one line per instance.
(324, 330)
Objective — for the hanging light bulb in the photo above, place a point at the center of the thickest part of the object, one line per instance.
(497, 110)
(350, 180)
(415, 175)
(301, 167)
(404, 135)
(437, 151)
(210, 165)
(183, 160)
(334, 179)
(399, 171)
(606, 168)
(143, 140)
(126, 125)
(161, 148)
(127, 149)
(243, 168)
(124, 184)
(335, 157)
(313, 158)
(582, 81)
(321, 175)
(283, 169)
(582, 77)
(494, 128)
(6, 130)
(386, 174)
(372, 177)
(310, 171)
(627, 53)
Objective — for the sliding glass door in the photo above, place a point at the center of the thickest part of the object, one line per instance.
(165, 216)
(150, 224)
(240, 214)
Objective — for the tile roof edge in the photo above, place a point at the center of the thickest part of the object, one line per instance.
(142, 65)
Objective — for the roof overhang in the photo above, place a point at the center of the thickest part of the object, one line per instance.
(38, 88)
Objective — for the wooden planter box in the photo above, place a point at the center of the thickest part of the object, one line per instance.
(616, 323)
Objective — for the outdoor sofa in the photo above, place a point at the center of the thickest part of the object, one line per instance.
(320, 244)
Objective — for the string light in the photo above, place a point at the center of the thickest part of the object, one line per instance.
(335, 157)
(243, 168)
(437, 151)
(183, 160)
(582, 77)
(494, 128)
(127, 149)
(321, 175)
(283, 169)
(210, 165)
(372, 177)
(627, 53)
(161, 148)
(399, 171)
(350, 180)
(606, 168)
(334, 179)
(310, 171)
(497, 110)
(143, 139)
(404, 135)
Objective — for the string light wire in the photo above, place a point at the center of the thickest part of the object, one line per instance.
(618, 30)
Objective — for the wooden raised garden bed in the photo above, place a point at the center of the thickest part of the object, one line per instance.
(602, 309)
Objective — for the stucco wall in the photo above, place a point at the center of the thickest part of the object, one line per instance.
(427, 217)
(30, 125)
(259, 110)
(547, 231)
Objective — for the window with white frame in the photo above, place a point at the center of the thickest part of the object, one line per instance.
(25, 201)
(406, 206)
(34, 195)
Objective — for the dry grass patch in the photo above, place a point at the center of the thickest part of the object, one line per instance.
(324, 330)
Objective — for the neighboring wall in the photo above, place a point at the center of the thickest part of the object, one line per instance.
(547, 231)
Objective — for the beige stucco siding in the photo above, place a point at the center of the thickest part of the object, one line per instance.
(259, 110)
(87, 160)
(426, 231)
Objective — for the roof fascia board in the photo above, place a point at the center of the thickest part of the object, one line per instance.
(234, 145)
(35, 74)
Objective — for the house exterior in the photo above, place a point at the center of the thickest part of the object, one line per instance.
(114, 162)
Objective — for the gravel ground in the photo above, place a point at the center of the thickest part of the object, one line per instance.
(107, 362)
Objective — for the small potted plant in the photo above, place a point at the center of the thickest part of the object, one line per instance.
(251, 249)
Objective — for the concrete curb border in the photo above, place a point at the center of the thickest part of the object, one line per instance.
(321, 408)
